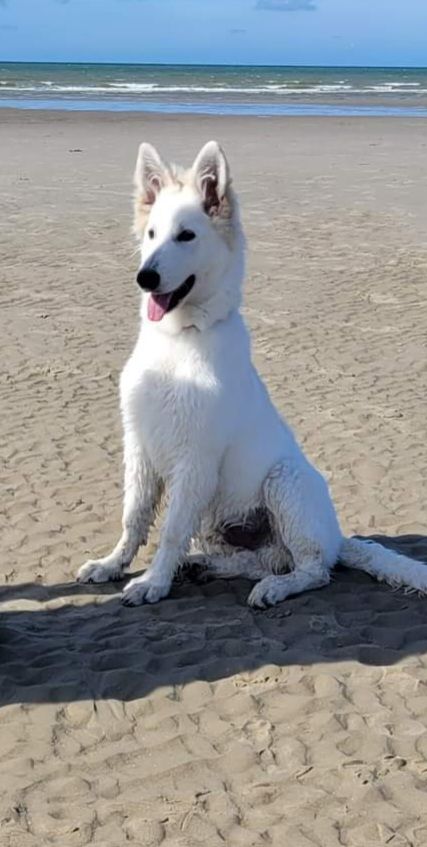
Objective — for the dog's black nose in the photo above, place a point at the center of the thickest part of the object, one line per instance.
(149, 280)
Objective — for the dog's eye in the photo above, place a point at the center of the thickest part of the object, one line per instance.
(151, 233)
(186, 235)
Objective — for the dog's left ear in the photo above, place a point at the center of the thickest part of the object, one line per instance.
(151, 174)
(211, 176)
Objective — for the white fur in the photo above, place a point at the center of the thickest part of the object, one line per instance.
(199, 424)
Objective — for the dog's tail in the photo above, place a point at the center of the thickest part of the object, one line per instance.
(384, 564)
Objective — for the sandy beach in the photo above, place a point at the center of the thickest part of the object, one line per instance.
(199, 721)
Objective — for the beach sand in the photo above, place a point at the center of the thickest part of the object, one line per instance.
(198, 721)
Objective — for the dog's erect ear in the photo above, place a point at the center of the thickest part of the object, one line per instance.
(211, 176)
(151, 174)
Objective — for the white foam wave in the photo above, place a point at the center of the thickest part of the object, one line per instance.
(393, 88)
(272, 88)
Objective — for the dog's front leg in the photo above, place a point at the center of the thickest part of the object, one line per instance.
(142, 491)
(191, 490)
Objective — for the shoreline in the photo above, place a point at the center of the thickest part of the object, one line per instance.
(15, 113)
(350, 109)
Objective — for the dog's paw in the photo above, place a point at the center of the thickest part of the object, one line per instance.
(143, 589)
(194, 570)
(96, 570)
(265, 593)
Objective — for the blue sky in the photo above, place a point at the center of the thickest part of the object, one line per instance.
(316, 32)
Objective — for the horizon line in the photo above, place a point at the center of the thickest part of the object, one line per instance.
(207, 64)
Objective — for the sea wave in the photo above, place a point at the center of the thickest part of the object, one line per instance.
(272, 88)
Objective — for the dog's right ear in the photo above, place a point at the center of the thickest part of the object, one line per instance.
(211, 177)
(151, 174)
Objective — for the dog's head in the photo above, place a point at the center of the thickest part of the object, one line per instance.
(190, 237)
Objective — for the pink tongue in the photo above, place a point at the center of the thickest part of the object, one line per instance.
(158, 306)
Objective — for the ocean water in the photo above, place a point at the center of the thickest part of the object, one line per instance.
(237, 90)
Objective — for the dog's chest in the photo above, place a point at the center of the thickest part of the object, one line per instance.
(170, 400)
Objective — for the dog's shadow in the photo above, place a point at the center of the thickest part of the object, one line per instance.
(96, 648)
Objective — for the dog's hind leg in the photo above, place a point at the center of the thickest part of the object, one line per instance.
(243, 563)
(249, 564)
(142, 492)
(286, 494)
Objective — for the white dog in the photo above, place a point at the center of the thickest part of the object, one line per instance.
(242, 499)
